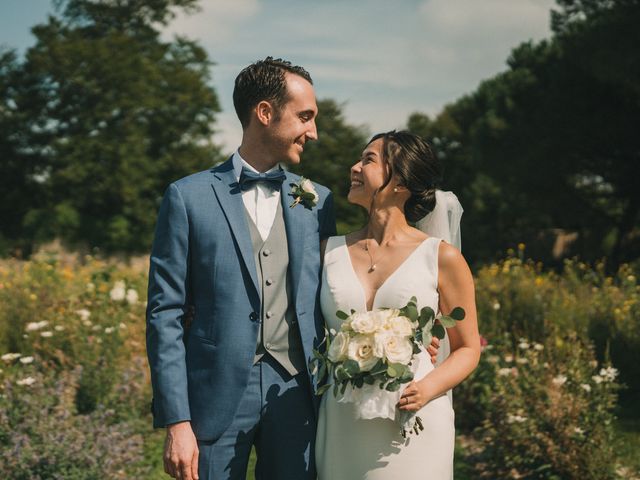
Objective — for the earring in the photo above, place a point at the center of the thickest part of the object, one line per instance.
(395, 189)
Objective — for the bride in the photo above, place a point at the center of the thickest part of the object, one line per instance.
(384, 265)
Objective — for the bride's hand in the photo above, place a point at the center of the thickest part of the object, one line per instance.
(433, 349)
(414, 397)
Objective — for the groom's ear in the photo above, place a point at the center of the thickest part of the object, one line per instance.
(264, 112)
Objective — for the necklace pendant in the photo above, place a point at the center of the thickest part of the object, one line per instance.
(372, 268)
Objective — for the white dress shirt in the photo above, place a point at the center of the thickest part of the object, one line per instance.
(260, 200)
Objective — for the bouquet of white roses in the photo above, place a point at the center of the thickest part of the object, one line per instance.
(375, 353)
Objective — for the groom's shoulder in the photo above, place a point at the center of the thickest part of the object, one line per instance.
(197, 180)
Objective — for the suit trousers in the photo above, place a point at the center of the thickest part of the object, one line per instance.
(276, 415)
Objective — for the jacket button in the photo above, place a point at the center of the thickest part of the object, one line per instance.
(253, 316)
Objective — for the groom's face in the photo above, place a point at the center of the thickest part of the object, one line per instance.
(295, 123)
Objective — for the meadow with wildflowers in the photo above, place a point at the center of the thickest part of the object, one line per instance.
(559, 352)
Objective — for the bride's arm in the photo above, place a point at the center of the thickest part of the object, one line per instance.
(455, 284)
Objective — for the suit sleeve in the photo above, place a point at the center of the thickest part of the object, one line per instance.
(167, 294)
(327, 218)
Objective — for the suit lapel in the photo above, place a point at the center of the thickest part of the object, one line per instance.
(295, 226)
(225, 186)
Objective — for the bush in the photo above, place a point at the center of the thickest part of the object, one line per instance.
(549, 412)
(517, 297)
(42, 436)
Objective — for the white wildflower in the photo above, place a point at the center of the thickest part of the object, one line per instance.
(91, 287)
(579, 431)
(598, 379)
(493, 359)
(26, 381)
(33, 326)
(84, 314)
(538, 346)
(46, 334)
(609, 373)
(96, 328)
(87, 323)
(109, 330)
(132, 296)
(516, 419)
(122, 326)
(496, 305)
(522, 360)
(504, 372)
(586, 387)
(58, 328)
(118, 292)
(523, 345)
(508, 358)
(559, 380)
(26, 360)
(9, 357)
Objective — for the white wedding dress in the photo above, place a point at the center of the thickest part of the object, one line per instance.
(348, 448)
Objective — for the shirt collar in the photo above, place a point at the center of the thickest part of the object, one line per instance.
(239, 163)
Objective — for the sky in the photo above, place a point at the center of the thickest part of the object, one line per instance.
(382, 60)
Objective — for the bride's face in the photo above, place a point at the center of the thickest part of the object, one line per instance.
(368, 175)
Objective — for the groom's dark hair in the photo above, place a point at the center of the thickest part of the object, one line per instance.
(263, 80)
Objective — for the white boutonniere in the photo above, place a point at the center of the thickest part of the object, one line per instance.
(304, 193)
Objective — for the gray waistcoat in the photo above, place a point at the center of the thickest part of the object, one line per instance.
(279, 335)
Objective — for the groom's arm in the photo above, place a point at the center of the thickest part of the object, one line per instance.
(168, 274)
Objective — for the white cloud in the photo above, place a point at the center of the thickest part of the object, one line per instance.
(216, 21)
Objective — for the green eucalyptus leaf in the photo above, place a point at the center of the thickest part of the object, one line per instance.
(412, 312)
(438, 331)
(457, 313)
(342, 315)
(391, 371)
(447, 322)
(323, 389)
(393, 386)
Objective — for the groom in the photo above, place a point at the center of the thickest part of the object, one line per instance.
(229, 243)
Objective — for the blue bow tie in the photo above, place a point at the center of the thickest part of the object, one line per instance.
(274, 179)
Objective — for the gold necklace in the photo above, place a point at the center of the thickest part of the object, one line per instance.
(372, 263)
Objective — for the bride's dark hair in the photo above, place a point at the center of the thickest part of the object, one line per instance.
(411, 160)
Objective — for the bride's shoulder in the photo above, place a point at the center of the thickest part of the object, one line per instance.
(450, 260)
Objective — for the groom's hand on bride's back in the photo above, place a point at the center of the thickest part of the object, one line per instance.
(181, 452)
(433, 349)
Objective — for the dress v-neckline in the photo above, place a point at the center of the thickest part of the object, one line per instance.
(386, 280)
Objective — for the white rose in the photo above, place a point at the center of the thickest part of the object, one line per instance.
(401, 326)
(398, 349)
(339, 347)
(361, 350)
(366, 322)
(307, 186)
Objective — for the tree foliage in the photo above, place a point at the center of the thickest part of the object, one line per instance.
(107, 115)
(551, 144)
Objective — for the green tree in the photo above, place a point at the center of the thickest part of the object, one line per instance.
(551, 143)
(112, 114)
(329, 159)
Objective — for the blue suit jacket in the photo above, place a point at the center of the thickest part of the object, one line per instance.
(202, 256)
